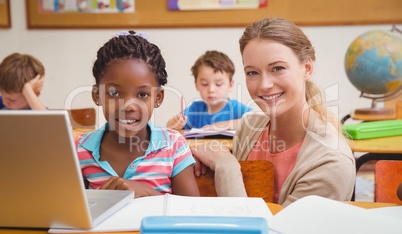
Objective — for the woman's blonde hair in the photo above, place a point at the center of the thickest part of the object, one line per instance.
(290, 35)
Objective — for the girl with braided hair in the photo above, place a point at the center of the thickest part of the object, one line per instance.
(128, 152)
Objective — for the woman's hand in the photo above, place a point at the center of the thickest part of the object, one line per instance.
(140, 189)
(177, 122)
(206, 154)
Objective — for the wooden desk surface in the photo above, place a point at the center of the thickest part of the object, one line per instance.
(378, 145)
(371, 205)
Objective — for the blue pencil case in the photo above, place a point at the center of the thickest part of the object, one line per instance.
(203, 224)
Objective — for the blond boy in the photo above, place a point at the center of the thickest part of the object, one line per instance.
(21, 81)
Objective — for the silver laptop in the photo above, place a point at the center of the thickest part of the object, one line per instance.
(40, 176)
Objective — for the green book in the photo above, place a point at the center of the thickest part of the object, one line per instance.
(373, 129)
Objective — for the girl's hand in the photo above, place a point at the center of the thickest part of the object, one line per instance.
(206, 154)
(140, 189)
(177, 122)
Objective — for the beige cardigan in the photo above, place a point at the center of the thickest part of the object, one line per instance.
(324, 166)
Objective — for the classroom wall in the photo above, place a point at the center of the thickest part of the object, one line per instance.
(68, 56)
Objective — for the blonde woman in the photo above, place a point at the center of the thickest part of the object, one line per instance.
(293, 129)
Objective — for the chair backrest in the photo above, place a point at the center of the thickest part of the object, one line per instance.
(83, 118)
(388, 176)
(258, 178)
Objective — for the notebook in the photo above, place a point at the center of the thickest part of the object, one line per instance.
(40, 175)
(198, 133)
(315, 214)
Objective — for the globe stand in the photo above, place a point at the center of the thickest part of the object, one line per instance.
(376, 113)
(373, 114)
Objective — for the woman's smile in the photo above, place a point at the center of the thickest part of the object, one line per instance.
(272, 98)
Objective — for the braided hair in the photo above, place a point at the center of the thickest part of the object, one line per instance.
(134, 47)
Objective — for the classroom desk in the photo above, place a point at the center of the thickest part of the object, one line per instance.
(384, 148)
(275, 208)
(371, 205)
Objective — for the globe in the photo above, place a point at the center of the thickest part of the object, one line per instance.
(373, 62)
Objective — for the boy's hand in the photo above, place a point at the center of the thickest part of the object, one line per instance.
(140, 189)
(177, 122)
(36, 84)
(31, 91)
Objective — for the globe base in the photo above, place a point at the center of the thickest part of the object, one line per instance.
(373, 114)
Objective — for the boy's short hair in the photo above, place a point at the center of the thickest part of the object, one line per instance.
(217, 61)
(16, 70)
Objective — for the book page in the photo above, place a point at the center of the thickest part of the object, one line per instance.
(218, 206)
(315, 214)
(198, 132)
(393, 211)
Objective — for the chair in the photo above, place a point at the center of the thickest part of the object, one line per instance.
(258, 178)
(388, 176)
(82, 118)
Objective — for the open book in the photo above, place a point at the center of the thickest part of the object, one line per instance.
(129, 217)
(314, 214)
(197, 132)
